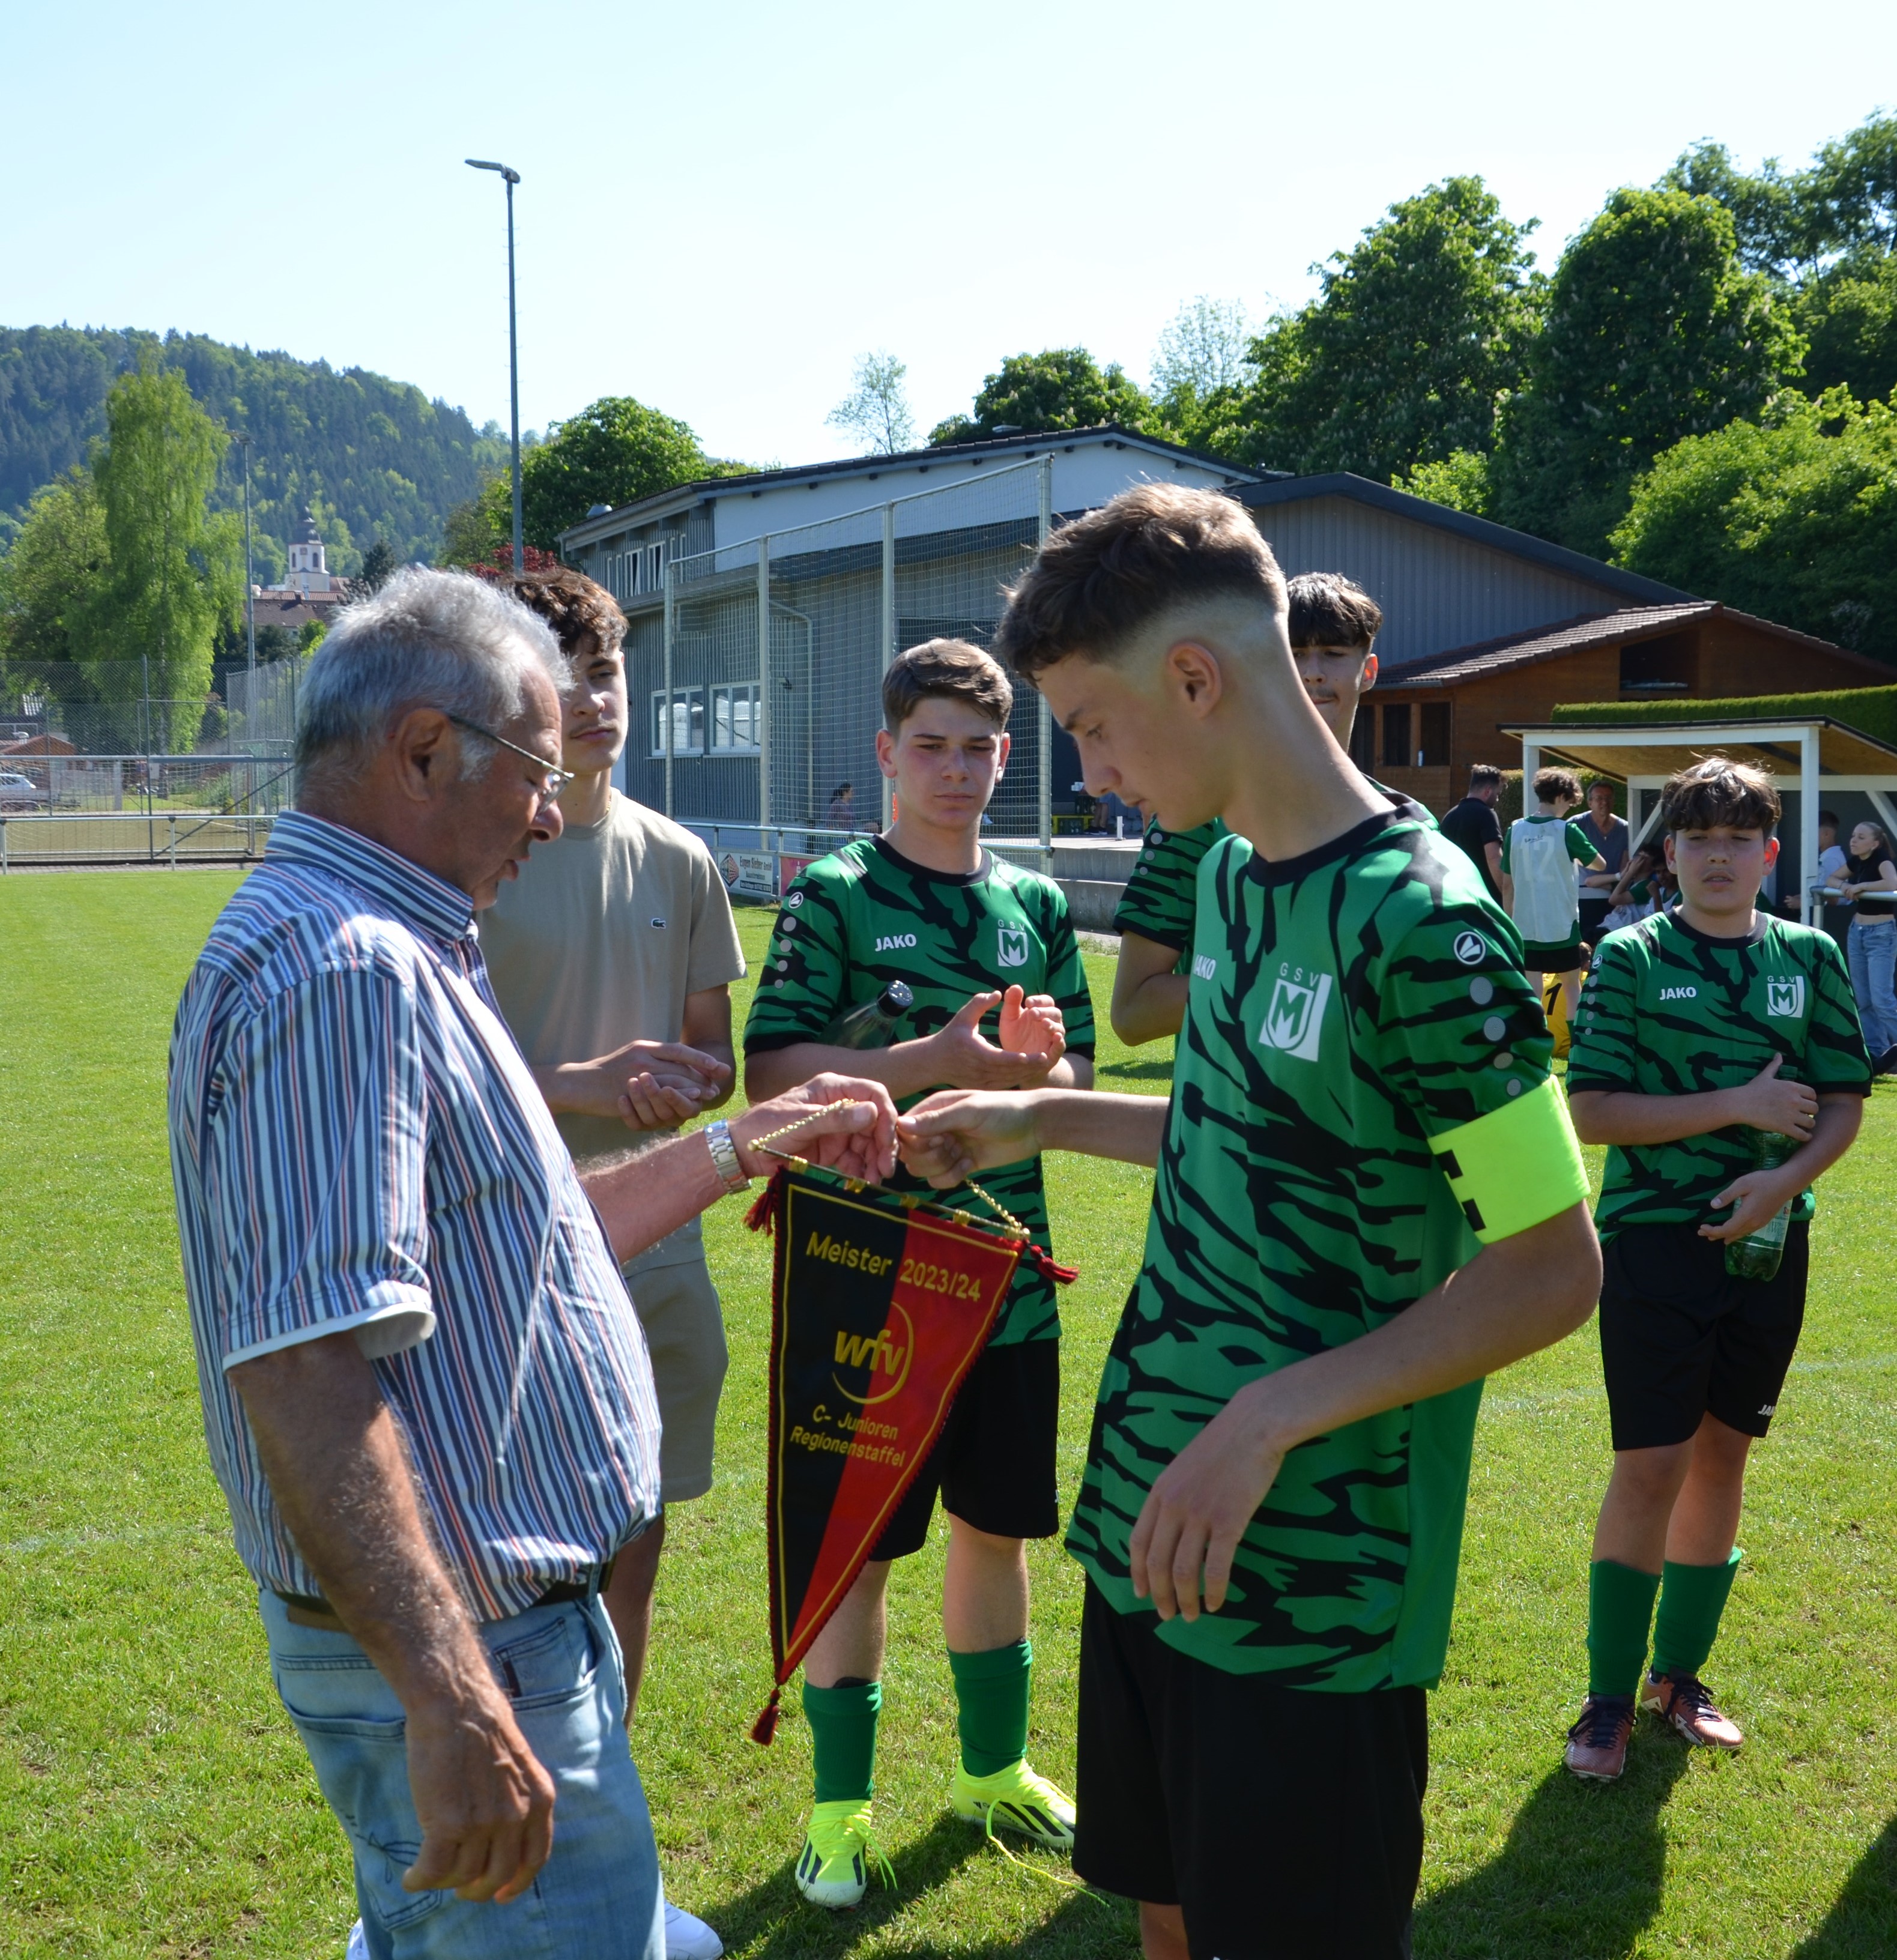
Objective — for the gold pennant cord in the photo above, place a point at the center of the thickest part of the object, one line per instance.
(765, 1142)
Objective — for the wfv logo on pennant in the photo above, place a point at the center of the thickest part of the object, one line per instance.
(1294, 1021)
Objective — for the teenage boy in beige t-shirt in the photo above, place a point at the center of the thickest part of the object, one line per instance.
(612, 956)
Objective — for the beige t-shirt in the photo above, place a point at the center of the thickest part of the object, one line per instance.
(597, 943)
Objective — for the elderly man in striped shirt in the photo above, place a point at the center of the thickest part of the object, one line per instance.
(427, 1398)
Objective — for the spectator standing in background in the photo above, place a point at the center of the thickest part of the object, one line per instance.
(613, 957)
(1474, 825)
(1830, 873)
(1871, 884)
(1538, 880)
(1608, 835)
(841, 814)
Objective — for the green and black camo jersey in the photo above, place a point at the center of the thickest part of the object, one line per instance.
(1361, 1097)
(1669, 1011)
(1160, 897)
(866, 915)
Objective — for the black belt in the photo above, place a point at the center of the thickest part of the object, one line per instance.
(312, 1609)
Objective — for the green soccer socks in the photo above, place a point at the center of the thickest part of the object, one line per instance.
(1620, 1611)
(1692, 1599)
(843, 1739)
(991, 1704)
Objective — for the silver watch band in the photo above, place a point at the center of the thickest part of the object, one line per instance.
(724, 1157)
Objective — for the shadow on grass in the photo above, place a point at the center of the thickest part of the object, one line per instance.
(1139, 1071)
(1580, 1875)
(772, 1921)
(1864, 1922)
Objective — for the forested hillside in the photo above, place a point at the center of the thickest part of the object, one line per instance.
(373, 457)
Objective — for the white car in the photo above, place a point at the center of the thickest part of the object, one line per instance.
(19, 792)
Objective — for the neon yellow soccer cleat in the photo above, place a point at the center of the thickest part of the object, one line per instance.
(840, 1851)
(1016, 1799)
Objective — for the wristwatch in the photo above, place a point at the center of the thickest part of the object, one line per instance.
(724, 1157)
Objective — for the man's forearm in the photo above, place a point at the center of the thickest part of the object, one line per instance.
(340, 1477)
(1833, 1132)
(1153, 1009)
(644, 1197)
(1129, 1129)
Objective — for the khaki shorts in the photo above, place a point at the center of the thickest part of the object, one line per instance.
(678, 1307)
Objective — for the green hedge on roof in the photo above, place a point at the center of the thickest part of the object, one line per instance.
(1872, 709)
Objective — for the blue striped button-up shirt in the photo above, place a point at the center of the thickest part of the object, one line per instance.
(356, 1143)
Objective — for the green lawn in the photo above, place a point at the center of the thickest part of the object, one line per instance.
(154, 1800)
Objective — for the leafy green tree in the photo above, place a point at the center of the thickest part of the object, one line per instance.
(170, 576)
(475, 530)
(615, 451)
(1059, 388)
(1419, 331)
(1460, 480)
(48, 582)
(1793, 517)
(1654, 332)
(378, 567)
(1200, 370)
(1772, 229)
(876, 411)
(1849, 314)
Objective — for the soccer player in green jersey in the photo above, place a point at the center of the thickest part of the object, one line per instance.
(1368, 1198)
(1334, 624)
(987, 950)
(1717, 1053)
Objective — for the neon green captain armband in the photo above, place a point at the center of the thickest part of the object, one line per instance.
(1516, 1167)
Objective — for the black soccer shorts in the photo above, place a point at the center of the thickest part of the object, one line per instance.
(994, 1461)
(1286, 1823)
(1681, 1338)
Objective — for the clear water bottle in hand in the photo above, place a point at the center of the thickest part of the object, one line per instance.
(874, 1024)
(1756, 1256)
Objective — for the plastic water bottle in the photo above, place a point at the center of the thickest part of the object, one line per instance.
(874, 1024)
(1756, 1256)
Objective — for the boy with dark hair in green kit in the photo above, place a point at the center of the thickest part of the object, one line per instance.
(987, 950)
(1717, 1053)
(1333, 624)
(1368, 1198)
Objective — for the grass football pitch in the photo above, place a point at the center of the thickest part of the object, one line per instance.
(153, 1799)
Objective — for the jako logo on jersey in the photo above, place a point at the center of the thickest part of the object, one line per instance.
(1295, 1019)
(1679, 993)
(1471, 948)
(1204, 966)
(1011, 947)
(896, 942)
(1785, 998)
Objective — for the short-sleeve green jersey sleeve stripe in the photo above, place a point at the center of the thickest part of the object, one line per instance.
(1159, 902)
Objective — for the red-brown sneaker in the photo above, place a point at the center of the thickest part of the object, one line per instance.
(1682, 1700)
(1597, 1743)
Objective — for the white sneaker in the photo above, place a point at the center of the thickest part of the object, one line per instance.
(687, 1937)
(358, 1947)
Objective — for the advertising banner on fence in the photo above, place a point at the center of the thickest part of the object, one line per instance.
(751, 874)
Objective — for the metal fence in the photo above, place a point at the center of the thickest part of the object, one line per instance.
(756, 691)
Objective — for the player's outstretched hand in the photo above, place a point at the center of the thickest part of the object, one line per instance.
(1189, 1528)
(860, 1141)
(962, 1054)
(1031, 1025)
(949, 1135)
(649, 1085)
(1768, 1101)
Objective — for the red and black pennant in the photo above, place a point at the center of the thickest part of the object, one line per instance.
(880, 1307)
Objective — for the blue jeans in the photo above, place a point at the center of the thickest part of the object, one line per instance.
(1873, 953)
(597, 1897)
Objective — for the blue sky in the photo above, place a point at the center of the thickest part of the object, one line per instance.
(724, 203)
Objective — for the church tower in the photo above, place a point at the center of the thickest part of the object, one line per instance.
(307, 571)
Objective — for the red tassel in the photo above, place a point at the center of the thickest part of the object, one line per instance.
(763, 1213)
(765, 1727)
(1044, 1262)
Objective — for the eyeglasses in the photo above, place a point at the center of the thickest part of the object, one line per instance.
(557, 780)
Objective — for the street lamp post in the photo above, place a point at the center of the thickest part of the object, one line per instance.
(510, 178)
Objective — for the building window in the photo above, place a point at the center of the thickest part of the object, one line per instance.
(651, 567)
(734, 719)
(1432, 735)
(1396, 748)
(688, 721)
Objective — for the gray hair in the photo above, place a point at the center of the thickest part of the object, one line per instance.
(427, 639)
